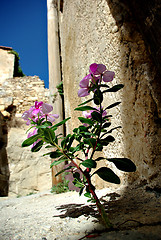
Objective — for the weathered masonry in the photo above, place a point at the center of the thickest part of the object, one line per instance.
(125, 36)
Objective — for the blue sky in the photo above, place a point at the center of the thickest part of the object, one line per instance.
(23, 26)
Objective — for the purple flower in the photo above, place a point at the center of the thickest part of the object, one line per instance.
(87, 114)
(37, 107)
(28, 115)
(84, 84)
(97, 69)
(46, 108)
(100, 70)
(38, 111)
(51, 117)
(97, 73)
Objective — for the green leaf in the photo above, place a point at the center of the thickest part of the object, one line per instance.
(107, 175)
(87, 194)
(45, 125)
(96, 116)
(65, 140)
(85, 102)
(85, 120)
(63, 170)
(114, 88)
(60, 123)
(69, 148)
(77, 176)
(49, 135)
(89, 163)
(85, 108)
(56, 154)
(58, 162)
(37, 147)
(113, 105)
(99, 147)
(98, 97)
(31, 140)
(81, 191)
(78, 184)
(123, 164)
(90, 141)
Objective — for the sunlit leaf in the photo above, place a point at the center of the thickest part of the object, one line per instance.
(85, 108)
(37, 147)
(63, 170)
(85, 120)
(60, 123)
(87, 194)
(65, 141)
(49, 135)
(81, 191)
(55, 154)
(85, 102)
(99, 147)
(58, 162)
(70, 143)
(31, 140)
(89, 163)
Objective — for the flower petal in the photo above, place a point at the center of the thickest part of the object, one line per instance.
(108, 76)
(85, 81)
(36, 111)
(86, 114)
(93, 67)
(100, 69)
(46, 108)
(83, 92)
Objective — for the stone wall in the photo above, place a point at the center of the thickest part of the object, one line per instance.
(29, 172)
(6, 63)
(106, 32)
(20, 93)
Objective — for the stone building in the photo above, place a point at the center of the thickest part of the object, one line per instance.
(21, 171)
(126, 38)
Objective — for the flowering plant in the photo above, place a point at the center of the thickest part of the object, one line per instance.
(90, 137)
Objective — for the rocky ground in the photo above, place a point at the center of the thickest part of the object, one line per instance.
(135, 214)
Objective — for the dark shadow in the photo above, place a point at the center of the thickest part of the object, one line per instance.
(76, 210)
(4, 167)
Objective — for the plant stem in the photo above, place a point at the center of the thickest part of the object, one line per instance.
(92, 191)
(99, 205)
